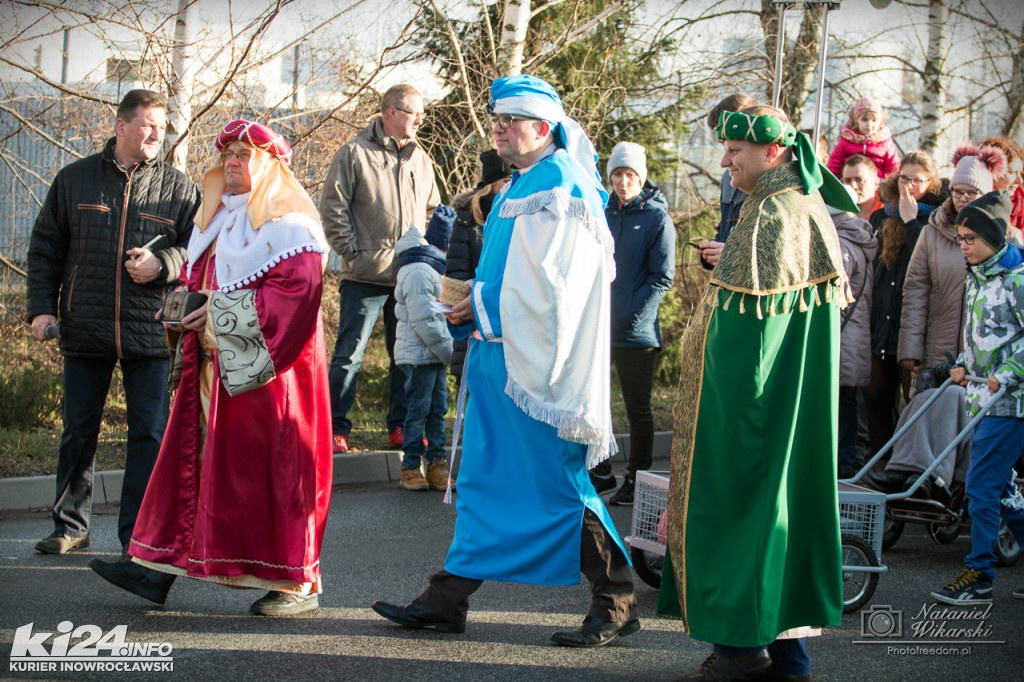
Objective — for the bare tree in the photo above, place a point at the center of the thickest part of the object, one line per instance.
(212, 73)
(513, 37)
(934, 74)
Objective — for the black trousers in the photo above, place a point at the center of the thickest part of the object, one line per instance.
(86, 383)
(887, 379)
(601, 561)
(635, 367)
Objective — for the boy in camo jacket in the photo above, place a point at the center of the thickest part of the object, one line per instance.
(993, 349)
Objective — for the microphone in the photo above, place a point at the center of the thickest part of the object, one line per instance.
(51, 331)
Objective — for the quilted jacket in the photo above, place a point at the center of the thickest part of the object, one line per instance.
(94, 212)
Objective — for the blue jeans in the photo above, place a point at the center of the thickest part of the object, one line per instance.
(361, 305)
(991, 493)
(789, 656)
(426, 396)
(86, 383)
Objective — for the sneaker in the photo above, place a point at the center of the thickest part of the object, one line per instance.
(437, 475)
(396, 437)
(602, 484)
(340, 444)
(284, 604)
(624, 495)
(1018, 593)
(412, 479)
(970, 587)
(59, 543)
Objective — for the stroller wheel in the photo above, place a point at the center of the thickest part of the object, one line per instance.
(1008, 552)
(858, 585)
(647, 565)
(944, 534)
(892, 532)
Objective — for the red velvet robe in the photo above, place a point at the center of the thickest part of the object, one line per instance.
(254, 501)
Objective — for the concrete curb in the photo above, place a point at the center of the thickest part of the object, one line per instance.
(36, 492)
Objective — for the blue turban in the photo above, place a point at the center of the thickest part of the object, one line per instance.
(530, 96)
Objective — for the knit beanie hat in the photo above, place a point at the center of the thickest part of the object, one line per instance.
(975, 167)
(629, 155)
(439, 229)
(866, 104)
(493, 168)
(988, 216)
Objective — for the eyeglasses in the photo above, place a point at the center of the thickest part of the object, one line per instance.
(906, 180)
(415, 114)
(505, 121)
(971, 194)
(965, 239)
(242, 156)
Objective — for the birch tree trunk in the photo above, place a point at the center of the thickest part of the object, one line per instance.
(513, 37)
(1013, 127)
(179, 103)
(932, 100)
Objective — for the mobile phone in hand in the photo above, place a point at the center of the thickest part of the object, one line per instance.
(157, 243)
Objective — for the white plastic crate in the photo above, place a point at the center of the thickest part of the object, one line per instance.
(862, 513)
(650, 500)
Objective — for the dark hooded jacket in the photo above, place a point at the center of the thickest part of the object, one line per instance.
(463, 256)
(645, 262)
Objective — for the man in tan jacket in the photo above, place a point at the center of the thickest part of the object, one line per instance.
(378, 184)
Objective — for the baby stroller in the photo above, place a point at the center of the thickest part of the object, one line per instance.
(945, 519)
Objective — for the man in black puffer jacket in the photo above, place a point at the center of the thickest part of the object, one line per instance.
(86, 268)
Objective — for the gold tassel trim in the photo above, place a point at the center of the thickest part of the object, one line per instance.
(725, 306)
(803, 303)
(757, 305)
(742, 296)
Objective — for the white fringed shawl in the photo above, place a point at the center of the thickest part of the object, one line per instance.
(559, 271)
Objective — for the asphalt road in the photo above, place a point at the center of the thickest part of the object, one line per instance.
(382, 542)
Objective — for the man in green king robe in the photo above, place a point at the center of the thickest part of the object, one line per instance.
(753, 531)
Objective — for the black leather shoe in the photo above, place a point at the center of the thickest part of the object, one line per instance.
(886, 481)
(135, 579)
(719, 668)
(595, 632)
(417, 615)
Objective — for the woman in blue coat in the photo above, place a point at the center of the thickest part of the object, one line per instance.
(645, 249)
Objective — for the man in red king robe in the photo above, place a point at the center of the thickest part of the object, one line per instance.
(242, 485)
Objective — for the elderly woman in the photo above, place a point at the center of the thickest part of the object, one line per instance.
(933, 292)
(242, 485)
(909, 197)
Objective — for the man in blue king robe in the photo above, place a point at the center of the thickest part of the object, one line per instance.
(539, 413)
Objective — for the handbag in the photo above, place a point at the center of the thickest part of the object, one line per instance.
(178, 304)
